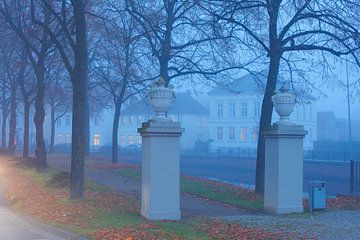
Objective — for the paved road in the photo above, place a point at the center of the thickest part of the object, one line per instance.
(16, 227)
(242, 171)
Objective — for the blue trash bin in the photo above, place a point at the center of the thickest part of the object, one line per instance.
(317, 195)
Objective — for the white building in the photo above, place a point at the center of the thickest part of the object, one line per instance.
(234, 115)
(186, 110)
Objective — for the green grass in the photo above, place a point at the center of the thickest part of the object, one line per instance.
(183, 230)
(220, 194)
(115, 219)
(202, 189)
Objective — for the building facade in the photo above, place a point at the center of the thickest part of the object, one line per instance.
(234, 115)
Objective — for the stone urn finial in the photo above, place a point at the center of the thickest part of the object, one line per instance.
(161, 98)
(284, 102)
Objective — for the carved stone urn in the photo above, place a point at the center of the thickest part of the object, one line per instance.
(161, 97)
(284, 102)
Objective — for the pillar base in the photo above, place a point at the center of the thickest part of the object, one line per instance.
(283, 210)
(159, 215)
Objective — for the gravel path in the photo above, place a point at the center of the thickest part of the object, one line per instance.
(328, 225)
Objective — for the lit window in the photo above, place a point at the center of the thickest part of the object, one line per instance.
(243, 134)
(257, 109)
(231, 133)
(244, 110)
(232, 110)
(123, 140)
(68, 120)
(96, 139)
(219, 133)
(220, 110)
(131, 139)
(59, 138)
(58, 122)
(68, 138)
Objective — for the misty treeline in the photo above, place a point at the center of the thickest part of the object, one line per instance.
(81, 56)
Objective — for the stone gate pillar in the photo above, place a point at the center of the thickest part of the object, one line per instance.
(160, 190)
(283, 191)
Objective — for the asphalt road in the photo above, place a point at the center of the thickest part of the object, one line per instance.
(242, 171)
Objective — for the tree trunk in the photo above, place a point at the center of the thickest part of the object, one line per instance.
(115, 134)
(52, 130)
(265, 121)
(26, 128)
(4, 119)
(87, 128)
(40, 151)
(12, 131)
(79, 79)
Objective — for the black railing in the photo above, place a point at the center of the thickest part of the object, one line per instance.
(355, 176)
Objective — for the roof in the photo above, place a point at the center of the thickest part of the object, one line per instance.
(184, 104)
(247, 84)
(255, 85)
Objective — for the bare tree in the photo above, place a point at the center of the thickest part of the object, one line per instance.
(181, 38)
(121, 61)
(37, 43)
(27, 86)
(69, 35)
(58, 95)
(280, 29)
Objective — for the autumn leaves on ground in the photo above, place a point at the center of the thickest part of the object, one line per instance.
(106, 214)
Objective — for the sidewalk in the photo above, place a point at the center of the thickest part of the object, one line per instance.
(17, 226)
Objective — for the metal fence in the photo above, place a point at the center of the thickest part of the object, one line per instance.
(250, 153)
(355, 176)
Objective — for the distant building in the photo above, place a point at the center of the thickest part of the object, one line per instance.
(186, 110)
(331, 128)
(234, 115)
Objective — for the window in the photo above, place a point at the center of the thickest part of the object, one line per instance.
(58, 122)
(96, 139)
(310, 135)
(173, 118)
(139, 120)
(255, 133)
(130, 139)
(231, 133)
(257, 109)
(220, 133)
(123, 120)
(123, 140)
(68, 120)
(132, 120)
(59, 138)
(297, 112)
(68, 138)
(244, 110)
(310, 114)
(232, 110)
(304, 113)
(139, 139)
(243, 134)
(220, 110)
(205, 122)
